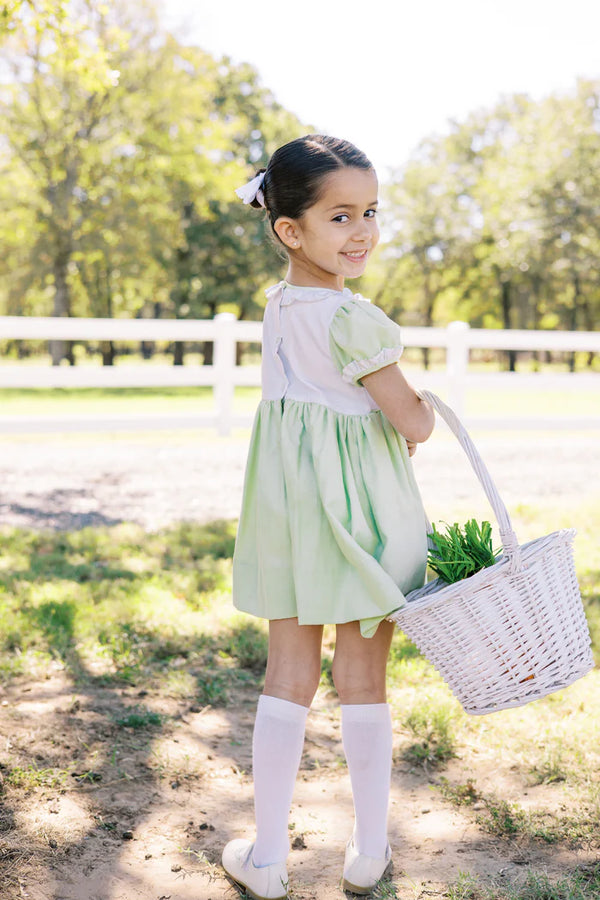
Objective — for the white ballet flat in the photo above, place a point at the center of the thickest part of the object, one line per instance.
(260, 882)
(362, 873)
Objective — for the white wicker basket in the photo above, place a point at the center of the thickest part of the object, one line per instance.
(513, 632)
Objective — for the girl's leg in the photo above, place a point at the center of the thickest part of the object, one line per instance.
(294, 661)
(292, 678)
(359, 674)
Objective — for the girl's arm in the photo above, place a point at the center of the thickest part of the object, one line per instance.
(412, 417)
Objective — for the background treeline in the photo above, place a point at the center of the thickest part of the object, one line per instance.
(498, 221)
(121, 148)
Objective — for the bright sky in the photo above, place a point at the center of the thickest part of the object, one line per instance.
(387, 73)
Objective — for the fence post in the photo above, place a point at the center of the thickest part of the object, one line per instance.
(457, 361)
(223, 370)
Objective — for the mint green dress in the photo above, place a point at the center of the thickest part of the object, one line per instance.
(332, 527)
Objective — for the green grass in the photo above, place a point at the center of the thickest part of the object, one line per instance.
(28, 778)
(459, 794)
(70, 401)
(134, 599)
(429, 725)
(247, 643)
(581, 884)
(385, 890)
(508, 819)
(124, 602)
(140, 718)
(479, 402)
(519, 402)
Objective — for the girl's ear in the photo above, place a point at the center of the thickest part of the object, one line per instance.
(288, 232)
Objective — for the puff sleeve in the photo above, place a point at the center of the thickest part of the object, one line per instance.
(362, 339)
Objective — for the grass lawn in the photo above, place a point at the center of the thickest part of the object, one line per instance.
(479, 402)
(69, 401)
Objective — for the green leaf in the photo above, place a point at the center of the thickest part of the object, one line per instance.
(459, 553)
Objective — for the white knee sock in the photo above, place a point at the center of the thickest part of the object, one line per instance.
(367, 739)
(276, 753)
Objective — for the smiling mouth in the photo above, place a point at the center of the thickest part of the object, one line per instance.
(355, 255)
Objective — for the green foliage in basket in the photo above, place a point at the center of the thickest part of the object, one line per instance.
(461, 552)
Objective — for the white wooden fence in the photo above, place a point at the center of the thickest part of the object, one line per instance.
(224, 375)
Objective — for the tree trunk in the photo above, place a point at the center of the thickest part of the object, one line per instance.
(574, 311)
(208, 346)
(536, 282)
(589, 326)
(429, 306)
(148, 348)
(107, 348)
(60, 197)
(61, 349)
(506, 295)
(178, 353)
(180, 294)
(178, 347)
(240, 346)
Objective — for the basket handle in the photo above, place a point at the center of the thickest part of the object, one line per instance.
(508, 537)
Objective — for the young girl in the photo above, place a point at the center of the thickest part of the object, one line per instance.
(332, 528)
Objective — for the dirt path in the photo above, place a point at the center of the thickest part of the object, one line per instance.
(70, 482)
(149, 817)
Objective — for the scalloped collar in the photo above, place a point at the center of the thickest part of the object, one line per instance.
(290, 293)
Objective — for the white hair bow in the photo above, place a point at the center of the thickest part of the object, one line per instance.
(252, 190)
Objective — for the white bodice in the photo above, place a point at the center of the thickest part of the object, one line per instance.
(296, 357)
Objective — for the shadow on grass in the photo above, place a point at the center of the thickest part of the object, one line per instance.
(54, 509)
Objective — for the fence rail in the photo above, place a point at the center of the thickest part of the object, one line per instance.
(225, 331)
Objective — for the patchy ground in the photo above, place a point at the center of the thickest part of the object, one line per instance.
(143, 813)
(160, 478)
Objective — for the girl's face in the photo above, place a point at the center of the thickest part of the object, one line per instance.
(335, 237)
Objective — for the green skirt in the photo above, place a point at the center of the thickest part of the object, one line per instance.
(332, 527)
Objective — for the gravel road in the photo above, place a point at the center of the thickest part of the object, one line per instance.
(71, 481)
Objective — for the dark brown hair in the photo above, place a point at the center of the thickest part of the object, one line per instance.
(295, 173)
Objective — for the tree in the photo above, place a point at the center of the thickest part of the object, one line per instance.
(225, 255)
(428, 221)
(495, 222)
(59, 108)
(131, 145)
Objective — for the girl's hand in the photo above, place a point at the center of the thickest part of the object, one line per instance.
(412, 447)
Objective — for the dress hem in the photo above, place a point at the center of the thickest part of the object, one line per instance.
(301, 620)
